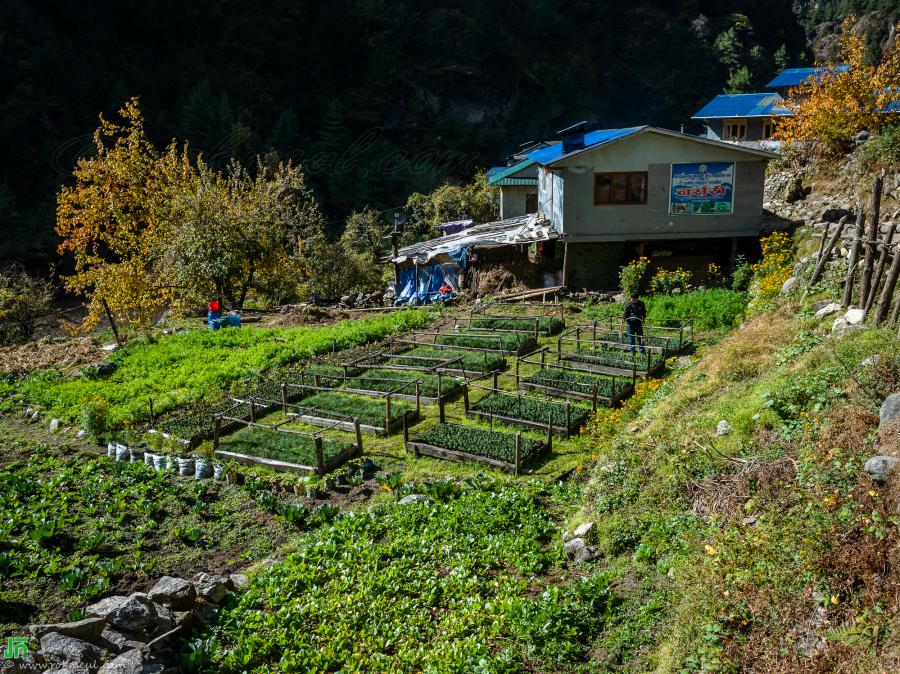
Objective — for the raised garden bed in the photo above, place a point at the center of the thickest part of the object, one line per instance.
(528, 412)
(282, 451)
(425, 358)
(382, 381)
(544, 326)
(475, 445)
(336, 410)
(614, 361)
(569, 383)
(504, 342)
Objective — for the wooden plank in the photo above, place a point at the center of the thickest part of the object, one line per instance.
(280, 466)
(524, 423)
(463, 457)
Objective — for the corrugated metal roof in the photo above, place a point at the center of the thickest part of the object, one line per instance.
(514, 182)
(522, 229)
(554, 153)
(496, 177)
(743, 105)
(791, 77)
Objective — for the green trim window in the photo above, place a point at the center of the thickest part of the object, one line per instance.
(620, 188)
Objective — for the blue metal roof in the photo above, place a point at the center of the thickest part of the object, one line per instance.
(743, 105)
(791, 77)
(554, 153)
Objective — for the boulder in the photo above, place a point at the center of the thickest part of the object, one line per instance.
(855, 316)
(878, 467)
(579, 551)
(211, 587)
(88, 629)
(56, 646)
(129, 662)
(828, 309)
(890, 410)
(114, 640)
(239, 581)
(583, 529)
(722, 428)
(176, 593)
(54, 425)
(788, 285)
(135, 614)
(871, 361)
(794, 191)
(414, 498)
(106, 606)
(835, 214)
(35, 416)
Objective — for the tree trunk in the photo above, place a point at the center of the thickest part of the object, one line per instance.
(871, 243)
(823, 260)
(853, 261)
(112, 322)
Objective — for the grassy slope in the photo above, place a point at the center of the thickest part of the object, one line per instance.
(710, 590)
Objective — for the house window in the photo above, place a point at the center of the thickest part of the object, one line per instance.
(531, 204)
(735, 129)
(620, 188)
(768, 129)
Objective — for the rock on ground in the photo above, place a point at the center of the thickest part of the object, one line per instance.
(211, 587)
(88, 629)
(135, 614)
(579, 551)
(130, 662)
(879, 466)
(890, 410)
(723, 428)
(828, 309)
(56, 646)
(176, 593)
(583, 529)
(414, 498)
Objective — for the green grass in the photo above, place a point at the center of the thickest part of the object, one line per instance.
(502, 341)
(711, 309)
(289, 447)
(533, 409)
(180, 369)
(412, 588)
(472, 360)
(480, 442)
(370, 411)
(607, 385)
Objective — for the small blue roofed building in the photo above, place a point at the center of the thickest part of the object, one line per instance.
(793, 77)
(743, 118)
(518, 181)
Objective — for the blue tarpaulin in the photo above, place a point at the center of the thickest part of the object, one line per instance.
(460, 256)
(421, 285)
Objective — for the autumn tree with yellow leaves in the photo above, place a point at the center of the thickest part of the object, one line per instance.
(107, 221)
(149, 230)
(836, 104)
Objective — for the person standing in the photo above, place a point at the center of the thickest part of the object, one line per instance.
(634, 315)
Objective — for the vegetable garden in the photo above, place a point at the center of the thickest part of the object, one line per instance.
(469, 444)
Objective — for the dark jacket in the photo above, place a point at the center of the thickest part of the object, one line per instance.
(635, 313)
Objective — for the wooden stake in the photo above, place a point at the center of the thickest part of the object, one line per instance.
(879, 267)
(827, 253)
(284, 398)
(406, 431)
(418, 397)
(870, 242)
(853, 261)
(387, 413)
(465, 392)
(359, 433)
(320, 457)
(441, 409)
(112, 322)
(887, 292)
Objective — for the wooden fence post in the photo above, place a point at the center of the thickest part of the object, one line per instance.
(550, 430)
(441, 408)
(465, 392)
(418, 397)
(890, 283)
(871, 242)
(853, 260)
(284, 398)
(496, 376)
(568, 417)
(320, 457)
(517, 372)
(518, 451)
(594, 395)
(317, 381)
(252, 410)
(823, 260)
(358, 434)
(406, 431)
(387, 413)
(879, 266)
(578, 338)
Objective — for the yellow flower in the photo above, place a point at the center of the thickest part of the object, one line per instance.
(710, 550)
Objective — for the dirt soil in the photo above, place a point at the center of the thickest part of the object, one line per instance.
(63, 354)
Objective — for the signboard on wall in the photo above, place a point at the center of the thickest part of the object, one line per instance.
(702, 189)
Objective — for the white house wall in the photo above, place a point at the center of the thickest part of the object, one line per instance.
(579, 219)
